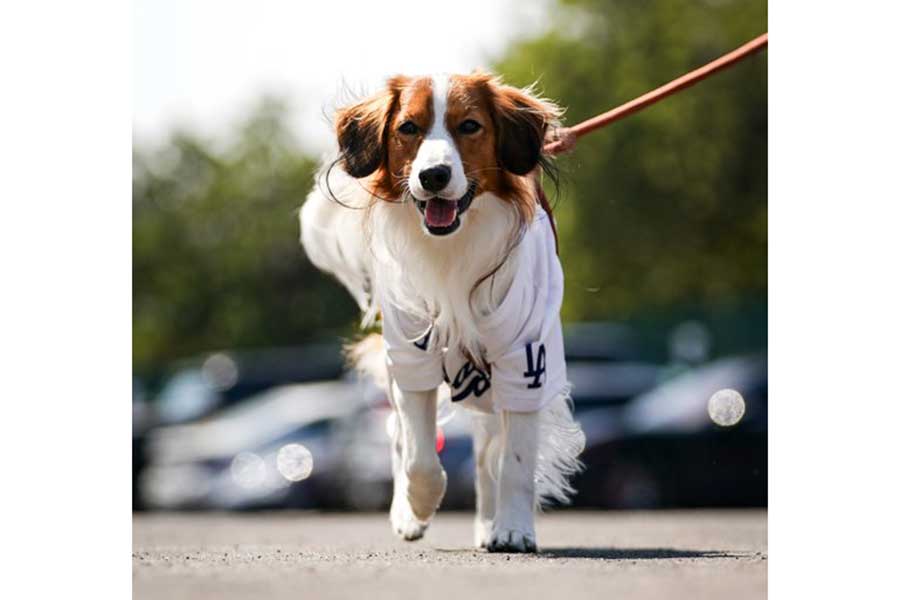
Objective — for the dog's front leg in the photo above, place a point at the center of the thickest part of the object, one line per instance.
(419, 480)
(513, 527)
(486, 437)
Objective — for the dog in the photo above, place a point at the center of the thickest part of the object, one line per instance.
(429, 216)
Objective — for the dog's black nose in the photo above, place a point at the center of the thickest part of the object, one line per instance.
(434, 179)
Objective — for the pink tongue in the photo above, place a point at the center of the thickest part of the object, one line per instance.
(440, 213)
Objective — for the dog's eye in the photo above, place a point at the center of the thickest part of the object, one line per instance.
(469, 126)
(409, 128)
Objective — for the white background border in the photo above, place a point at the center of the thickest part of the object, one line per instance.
(834, 299)
(65, 259)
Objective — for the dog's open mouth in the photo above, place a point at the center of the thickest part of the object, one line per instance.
(442, 215)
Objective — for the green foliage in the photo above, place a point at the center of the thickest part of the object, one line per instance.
(217, 263)
(667, 207)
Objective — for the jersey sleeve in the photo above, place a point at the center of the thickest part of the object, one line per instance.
(412, 360)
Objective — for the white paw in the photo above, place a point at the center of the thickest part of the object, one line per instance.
(425, 490)
(482, 532)
(404, 523)
(504, 539)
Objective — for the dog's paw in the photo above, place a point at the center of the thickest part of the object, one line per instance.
(404, 523)
(511, 540)
(425, 490)
(482, 532)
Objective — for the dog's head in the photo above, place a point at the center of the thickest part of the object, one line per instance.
(444, 141)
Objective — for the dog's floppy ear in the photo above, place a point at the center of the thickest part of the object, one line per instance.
(522, 121)
(361, 132)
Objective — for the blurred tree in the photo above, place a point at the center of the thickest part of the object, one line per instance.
(217, 263)
(668, 207)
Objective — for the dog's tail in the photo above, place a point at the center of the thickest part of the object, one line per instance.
(561, 440)
(368, 357)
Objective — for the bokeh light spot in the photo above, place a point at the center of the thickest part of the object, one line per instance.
(726, 407)
(294, 462)
(220, 371)
(248, 470)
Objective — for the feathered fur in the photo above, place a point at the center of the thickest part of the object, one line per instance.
(362, 224)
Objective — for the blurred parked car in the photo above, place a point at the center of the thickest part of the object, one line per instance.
(231, 460)
(214, 439)
(140, 422)
(663, 449)
(606, 365)
(199, 386)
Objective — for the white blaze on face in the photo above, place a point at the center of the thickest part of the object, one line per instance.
(438, 148)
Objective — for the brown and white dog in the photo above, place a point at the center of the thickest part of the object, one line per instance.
(422, 217)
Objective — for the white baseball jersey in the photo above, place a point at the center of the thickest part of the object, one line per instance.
(522, 339)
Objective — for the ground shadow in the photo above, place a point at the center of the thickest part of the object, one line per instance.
(615, 553)
(632, 553)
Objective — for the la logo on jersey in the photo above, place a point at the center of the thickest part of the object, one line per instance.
(468, 380)
(537, 365)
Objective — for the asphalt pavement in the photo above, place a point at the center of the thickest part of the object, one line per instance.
(299, 555)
